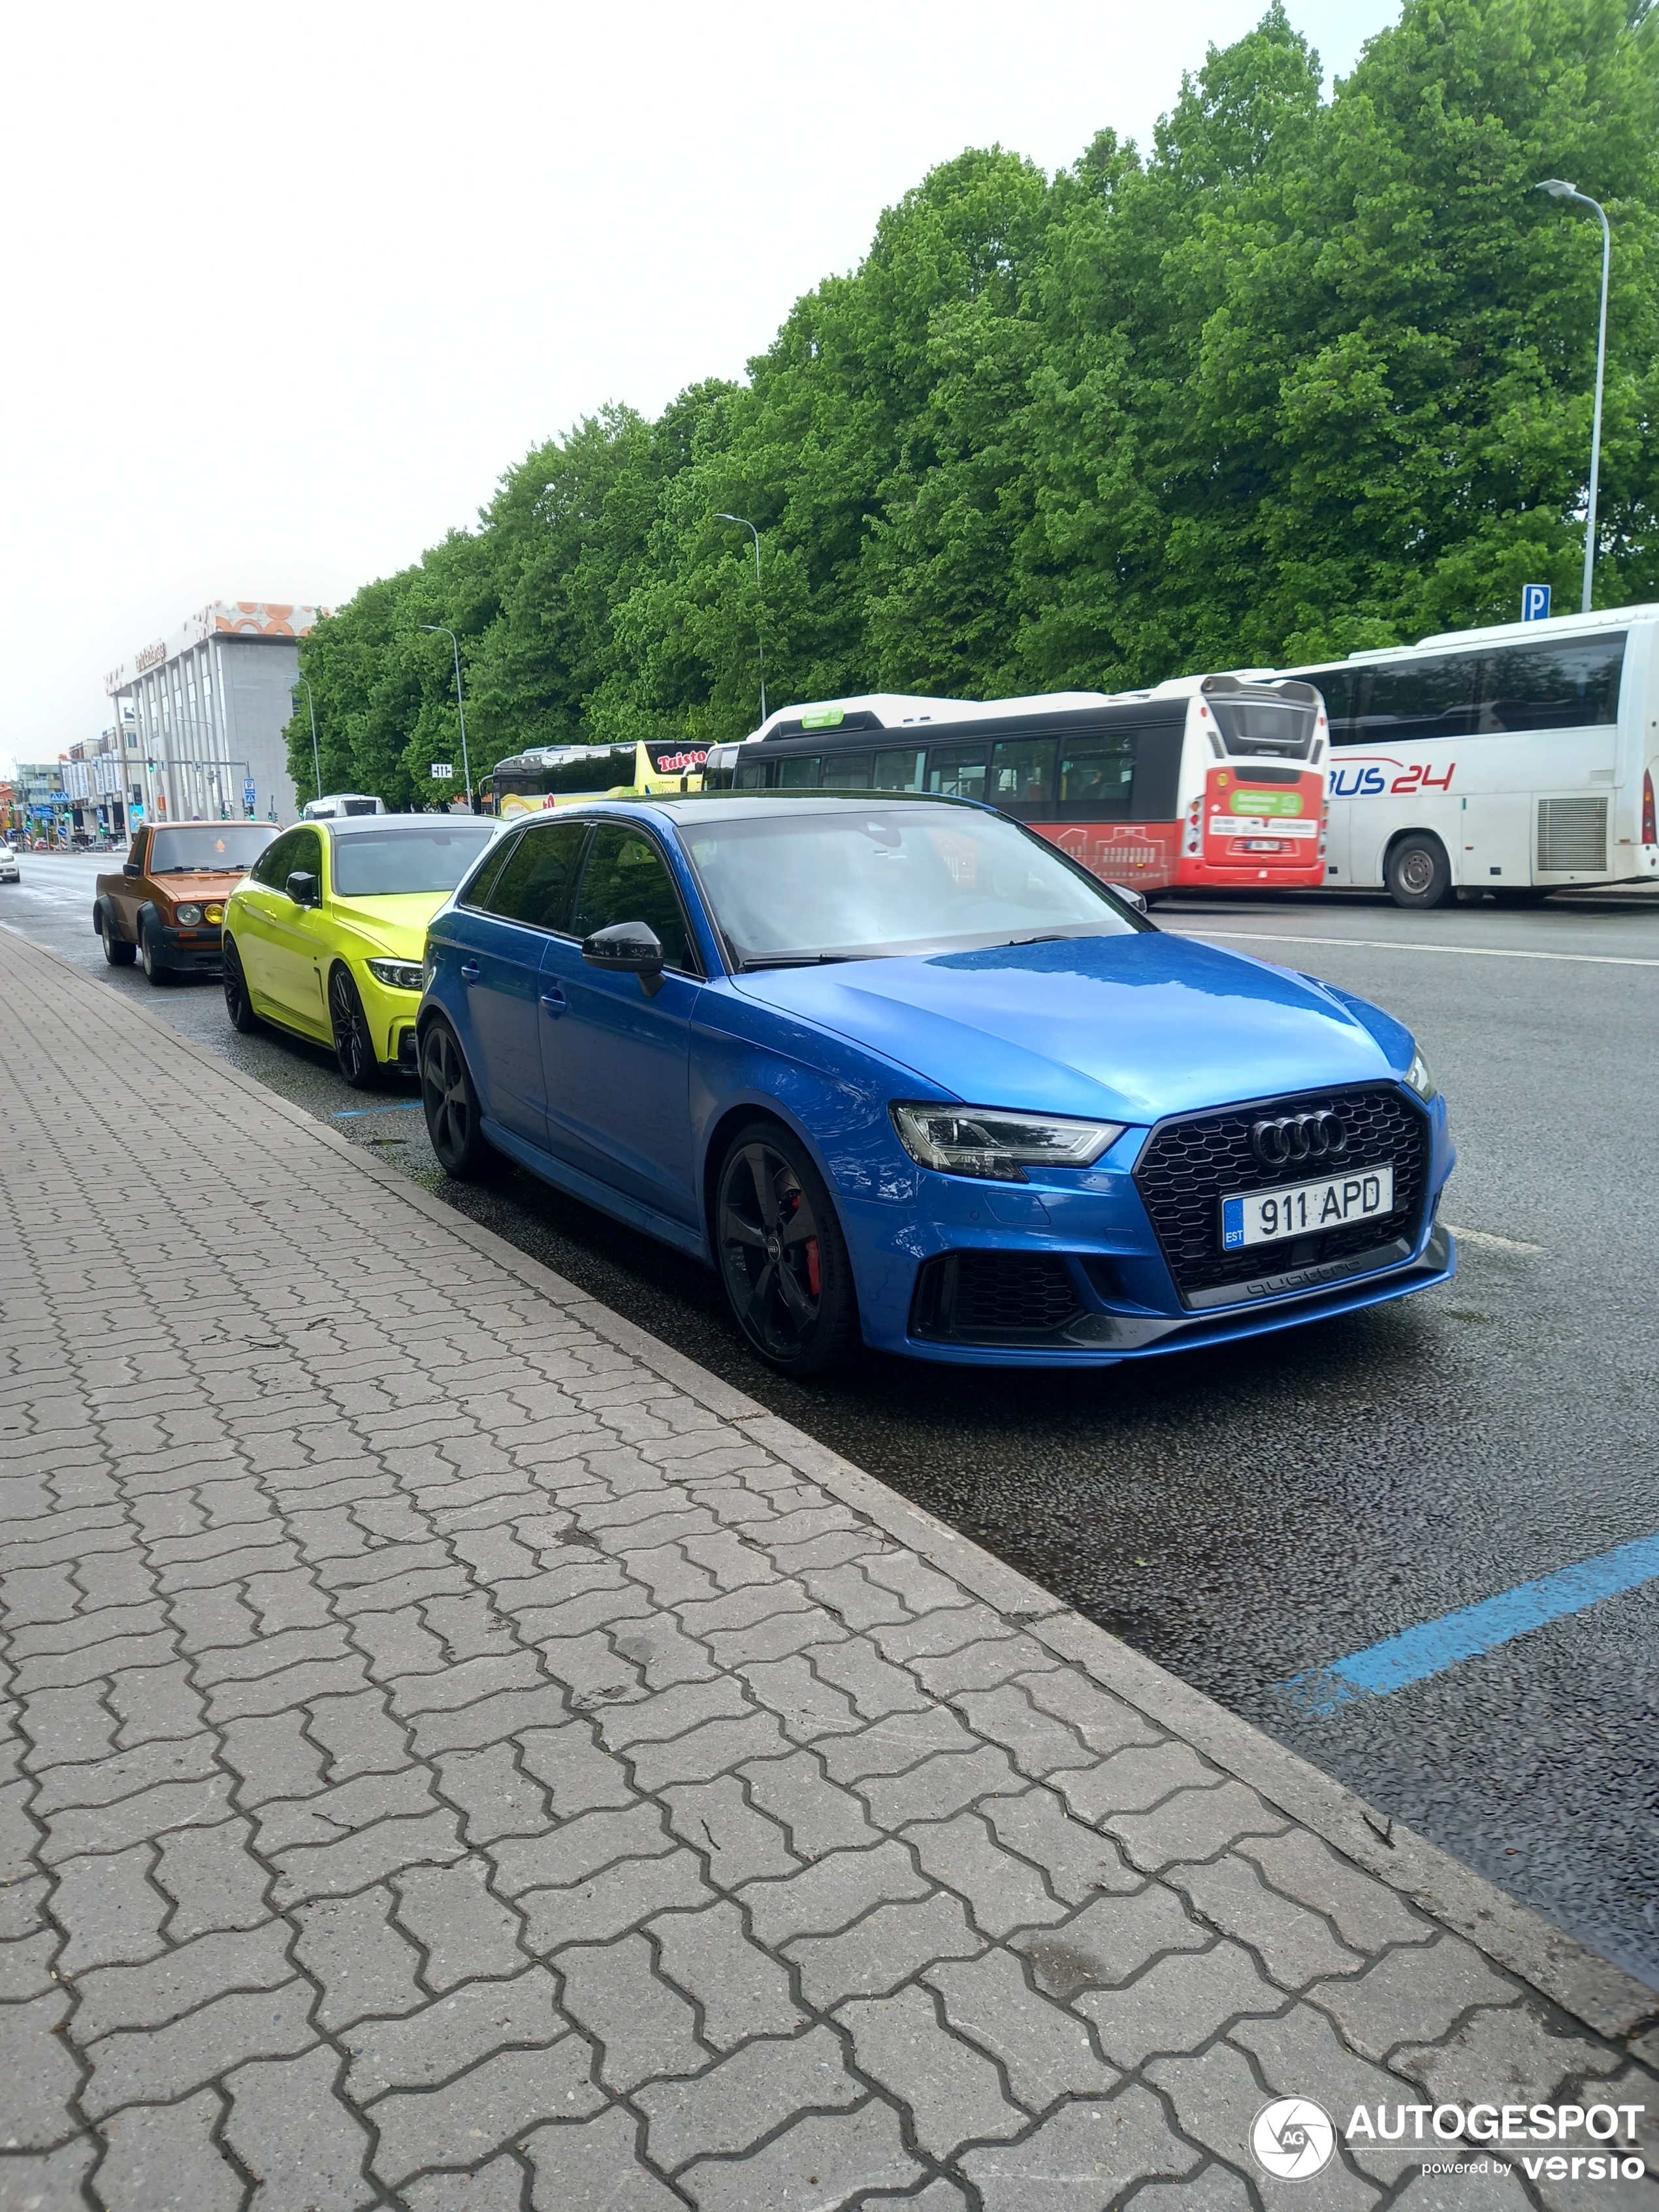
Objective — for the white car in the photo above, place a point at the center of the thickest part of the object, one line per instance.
(8, 869)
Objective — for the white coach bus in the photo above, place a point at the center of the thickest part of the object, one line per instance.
(1515, 759)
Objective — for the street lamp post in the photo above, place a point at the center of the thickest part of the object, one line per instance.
(316, 758)
(1558, 189)
(760, 642)
(460, 708)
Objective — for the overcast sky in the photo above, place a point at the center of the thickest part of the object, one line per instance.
(287, 289)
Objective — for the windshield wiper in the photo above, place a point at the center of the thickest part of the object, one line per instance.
(799, 960)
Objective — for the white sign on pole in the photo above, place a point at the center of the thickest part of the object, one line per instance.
(442, 768)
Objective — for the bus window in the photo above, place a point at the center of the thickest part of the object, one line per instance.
(847, 772)
(1096, 775)
(1570, 685)
(957, 771)
(899, 771)
(752, 775)
(1022, 772)
(800, 774)
(1397, 702)
(1157, 771)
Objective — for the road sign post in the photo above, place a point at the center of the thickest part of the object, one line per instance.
(1534, 602)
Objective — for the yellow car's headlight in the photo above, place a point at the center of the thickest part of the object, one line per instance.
(215, 913)
(401, 975)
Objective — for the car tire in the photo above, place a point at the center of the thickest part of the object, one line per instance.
(781, 1255)
(116, 950)
(1418, 872)
(453, 1119)
(238, 1005)
(354, 1047)
(156, 969)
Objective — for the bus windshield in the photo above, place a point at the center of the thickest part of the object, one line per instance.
(862, 882)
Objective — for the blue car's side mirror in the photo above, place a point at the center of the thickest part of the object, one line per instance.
(1136, 899)
(628, 948)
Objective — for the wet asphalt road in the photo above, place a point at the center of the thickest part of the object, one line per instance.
(1244, 1515)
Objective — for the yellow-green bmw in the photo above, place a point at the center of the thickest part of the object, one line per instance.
(325, 935)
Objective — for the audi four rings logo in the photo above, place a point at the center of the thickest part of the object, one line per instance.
(1290, 1137)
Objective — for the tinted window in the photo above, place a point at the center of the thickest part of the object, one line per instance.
(898, 770)
(138, 853)
(534, 885)
(1558, 684)
(1157, 772)
(751, 775)
(800, 774)
(847, 772)
(383, 863)
(1563, 685)
(957, 771)
(626, 879)
(273, 863)
(307, 858)
(1097, 774)
(1022, 772)
(227, 849)
(478, 890)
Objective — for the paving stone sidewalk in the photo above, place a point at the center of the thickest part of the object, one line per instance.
(462, 1758)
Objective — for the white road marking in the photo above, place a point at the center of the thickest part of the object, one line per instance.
(1499, 1243)
(1394, 945)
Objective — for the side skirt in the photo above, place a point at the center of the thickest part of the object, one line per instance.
(600, 1195)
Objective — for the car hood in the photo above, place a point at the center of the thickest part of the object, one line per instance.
(1127, 1028)
(192, 891)
(397, 921)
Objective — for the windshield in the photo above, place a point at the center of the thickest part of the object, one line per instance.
(873, 882)
(1261, 724)
(230, 848)
(380, 863)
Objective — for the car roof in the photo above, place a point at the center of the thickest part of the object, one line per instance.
(357, 825)
(203, 822)
(747, 806)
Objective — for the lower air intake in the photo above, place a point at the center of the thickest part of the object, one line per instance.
(993, 1297)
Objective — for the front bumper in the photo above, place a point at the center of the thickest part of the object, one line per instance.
(390, 1014)
(1073, 1274)
(198, 951)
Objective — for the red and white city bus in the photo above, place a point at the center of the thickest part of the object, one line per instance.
(1217, 781)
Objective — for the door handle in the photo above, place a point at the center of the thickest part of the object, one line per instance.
(553, 1002)
(470, 971)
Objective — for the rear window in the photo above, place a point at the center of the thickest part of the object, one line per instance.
(383, 863)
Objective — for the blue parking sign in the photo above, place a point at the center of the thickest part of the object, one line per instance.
(1534, 602)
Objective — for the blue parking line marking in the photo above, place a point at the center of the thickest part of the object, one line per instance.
(356, 1113)
(1418, 1653)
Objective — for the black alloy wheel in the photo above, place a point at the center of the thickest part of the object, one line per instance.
(156, 969)
(238, 1005)
(353, 1049)
(453, 1119)
(1418, 872)
(781, 1255)
(116, 950)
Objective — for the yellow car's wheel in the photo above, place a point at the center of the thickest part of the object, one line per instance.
(353, 1049)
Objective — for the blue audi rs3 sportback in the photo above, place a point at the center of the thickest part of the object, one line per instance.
(900, 1070)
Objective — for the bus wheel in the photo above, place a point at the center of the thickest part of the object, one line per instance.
(1418, 872)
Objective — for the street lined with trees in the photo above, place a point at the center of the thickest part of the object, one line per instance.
(1305, 375)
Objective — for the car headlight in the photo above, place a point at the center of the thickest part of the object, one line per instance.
(401, 975)
(1419, 1080)
(187, 916)
(982, 1140)
(213, 913)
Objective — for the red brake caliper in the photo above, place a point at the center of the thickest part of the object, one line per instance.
(813, 1283)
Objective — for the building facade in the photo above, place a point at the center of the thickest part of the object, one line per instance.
(200, 716)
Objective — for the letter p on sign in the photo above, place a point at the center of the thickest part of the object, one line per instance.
(1534, 602)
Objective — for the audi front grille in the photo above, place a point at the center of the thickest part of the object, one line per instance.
(1188, 1165)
